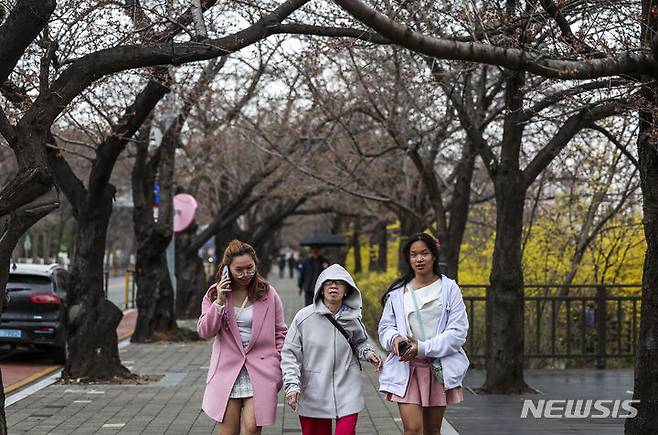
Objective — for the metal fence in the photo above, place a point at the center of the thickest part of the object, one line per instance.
(589, 323)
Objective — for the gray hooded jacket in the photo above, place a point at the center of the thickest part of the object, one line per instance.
(316, 359)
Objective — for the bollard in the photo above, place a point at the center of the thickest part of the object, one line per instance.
(132, 288)
(127, 288)
(600, 327)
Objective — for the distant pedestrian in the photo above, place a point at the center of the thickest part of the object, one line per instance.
(424, 327)
(590, 316)
(243, 315)
(311, 268)
(281, 262)
(320, 357)
(292, 262)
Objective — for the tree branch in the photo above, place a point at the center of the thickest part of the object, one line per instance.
(22, 27)
(627, 63)
(616, 143)
(199, 24)
(66, 179)
(82, 72)
(132, 119)
(569, 92)
(24, 188)
(334, 32)
(432, 188)
(16, 95)
(577, 44)
(6, 129)
(563, 136)
(238, 205)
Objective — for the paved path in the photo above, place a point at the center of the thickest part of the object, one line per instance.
(171, 406)
(479, 414)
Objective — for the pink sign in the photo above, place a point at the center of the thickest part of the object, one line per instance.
(184, 210)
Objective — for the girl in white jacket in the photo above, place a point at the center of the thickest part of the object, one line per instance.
(424, 327)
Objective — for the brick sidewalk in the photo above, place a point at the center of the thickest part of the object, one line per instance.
(171, 406)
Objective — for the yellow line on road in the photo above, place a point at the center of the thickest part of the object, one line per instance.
(30, 379)
(124, 336)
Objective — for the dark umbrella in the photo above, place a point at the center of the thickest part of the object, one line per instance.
(323, 240)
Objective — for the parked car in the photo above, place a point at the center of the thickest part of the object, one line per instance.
(34, 313)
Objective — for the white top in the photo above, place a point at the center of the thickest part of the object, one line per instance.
(244, 317)
(429, 303)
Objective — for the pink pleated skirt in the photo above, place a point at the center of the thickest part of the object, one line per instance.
(424, 389)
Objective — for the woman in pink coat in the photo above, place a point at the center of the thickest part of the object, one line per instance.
(243, 315)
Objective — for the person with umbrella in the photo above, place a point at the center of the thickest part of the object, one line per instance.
(310, 270)
(312, 266)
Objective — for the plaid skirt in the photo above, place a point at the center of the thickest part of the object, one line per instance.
(242, 387)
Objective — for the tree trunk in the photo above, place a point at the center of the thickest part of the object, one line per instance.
(3, 417)
(266, 250)
(408, 225)
(91, 319)
(646, 358)
(372, 256)
(504, 305)
(450, 258)
(646, 362)
(356, 247)
(379, 238)
(12, 227)
(382, 250)
(190, 276)
(223, 238)
(156, 320)
(460, 207)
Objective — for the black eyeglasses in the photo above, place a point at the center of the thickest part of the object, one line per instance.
(338, 282)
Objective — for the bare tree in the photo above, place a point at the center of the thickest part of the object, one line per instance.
(637, 62)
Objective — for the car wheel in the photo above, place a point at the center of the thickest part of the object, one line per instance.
(60, 354)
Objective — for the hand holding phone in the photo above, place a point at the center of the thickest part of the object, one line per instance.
(224, 274)
(403, 347)
(223, 286)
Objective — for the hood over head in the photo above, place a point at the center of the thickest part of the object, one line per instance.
(338, 272)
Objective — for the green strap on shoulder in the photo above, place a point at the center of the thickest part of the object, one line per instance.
(417, 311)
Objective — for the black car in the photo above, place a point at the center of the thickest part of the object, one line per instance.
(34, 313)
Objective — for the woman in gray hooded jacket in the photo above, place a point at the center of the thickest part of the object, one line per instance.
(321, 369)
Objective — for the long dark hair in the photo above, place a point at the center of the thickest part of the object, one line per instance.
(258, 286)
(432, 244)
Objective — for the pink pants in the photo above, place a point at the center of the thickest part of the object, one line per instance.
(322, 426)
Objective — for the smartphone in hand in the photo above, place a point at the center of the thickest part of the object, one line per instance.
(403, 347)
(225, 274)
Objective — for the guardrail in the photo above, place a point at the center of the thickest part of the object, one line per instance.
(578, 321)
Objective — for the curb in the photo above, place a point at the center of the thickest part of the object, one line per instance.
(23, 382)
(48, 370)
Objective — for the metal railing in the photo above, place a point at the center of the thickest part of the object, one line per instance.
(586, 322)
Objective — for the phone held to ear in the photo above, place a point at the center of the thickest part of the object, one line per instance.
(225, 275)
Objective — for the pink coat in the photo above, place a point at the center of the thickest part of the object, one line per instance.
(262, 356)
